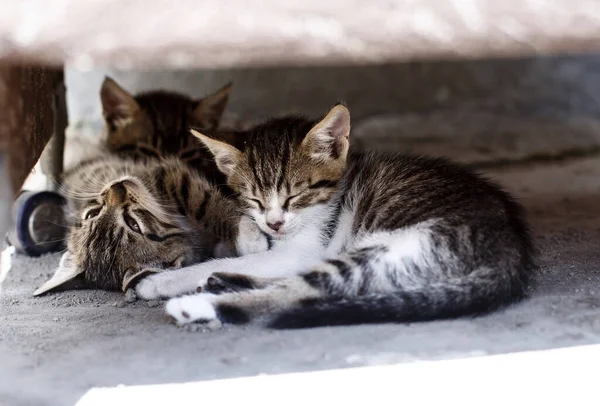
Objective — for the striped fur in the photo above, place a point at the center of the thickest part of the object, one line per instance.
(156, 124)
(129, 218)
(364, 237)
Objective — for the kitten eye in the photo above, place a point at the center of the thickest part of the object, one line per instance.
(131, 223)
(289, 200)
(323, 184)
(92, 213)
(258, 203)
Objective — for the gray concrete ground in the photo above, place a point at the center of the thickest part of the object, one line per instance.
(54, 348)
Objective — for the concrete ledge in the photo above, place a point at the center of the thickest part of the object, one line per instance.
(214, 33)
(542, 377)
(480, 138)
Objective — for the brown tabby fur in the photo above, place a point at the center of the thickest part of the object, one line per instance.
(128, 216)
(156, 124)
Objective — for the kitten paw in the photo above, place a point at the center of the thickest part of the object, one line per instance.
(147, 289)
(164, 284)
(250, 239)
(193, 308)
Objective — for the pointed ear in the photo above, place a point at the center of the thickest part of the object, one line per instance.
(66, 277)
(226, 156)
(118, 106)
(328, 139)
(210, 109)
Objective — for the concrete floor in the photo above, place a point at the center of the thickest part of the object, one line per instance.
(53, 349)
(541, 141)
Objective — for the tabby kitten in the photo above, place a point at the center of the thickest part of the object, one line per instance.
(357, 238)
(127, 216)
(156, 124)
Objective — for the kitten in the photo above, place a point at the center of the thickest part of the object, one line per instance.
(357, 238)
(127, 216)
(156, 124)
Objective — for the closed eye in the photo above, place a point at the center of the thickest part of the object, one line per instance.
(323, 184)
(132, 224)
(90, 214)
(258, 203)
(287, 202)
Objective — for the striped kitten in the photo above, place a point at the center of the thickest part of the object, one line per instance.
(127, 217)
(156, 124)
(357, 238)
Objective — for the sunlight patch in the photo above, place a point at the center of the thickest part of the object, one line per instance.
(559, 376)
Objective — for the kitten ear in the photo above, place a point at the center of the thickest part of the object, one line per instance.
(66, 277)
(118, 106)
(328, 139)
(210, 109)
(226, 156)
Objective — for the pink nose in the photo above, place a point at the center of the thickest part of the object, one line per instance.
(275, 226)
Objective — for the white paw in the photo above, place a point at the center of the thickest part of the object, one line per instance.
(164, 284)
(193, 308)
(147, 288)
(250, 239)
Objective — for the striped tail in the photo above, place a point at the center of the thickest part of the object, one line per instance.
(467, 296)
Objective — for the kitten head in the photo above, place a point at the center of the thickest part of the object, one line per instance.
(285, 169)
(124, 230)
(157, 121)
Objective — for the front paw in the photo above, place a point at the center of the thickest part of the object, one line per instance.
(148, 288)
(193, 309)
(251, 239)
(165, 284)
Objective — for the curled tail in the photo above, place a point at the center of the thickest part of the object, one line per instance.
(309, 301)
(477, 293)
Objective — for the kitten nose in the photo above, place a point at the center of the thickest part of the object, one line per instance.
(275, 226)
(116, 193)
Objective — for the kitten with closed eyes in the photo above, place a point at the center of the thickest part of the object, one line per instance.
(357, 237)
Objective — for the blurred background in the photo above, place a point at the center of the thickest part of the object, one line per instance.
(474, 111)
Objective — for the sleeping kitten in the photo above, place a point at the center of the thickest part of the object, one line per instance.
(127, 216)
(156, 124)
(357, 238)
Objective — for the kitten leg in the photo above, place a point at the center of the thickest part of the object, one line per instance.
(270, 264)
(165, 284)
(240, 307)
